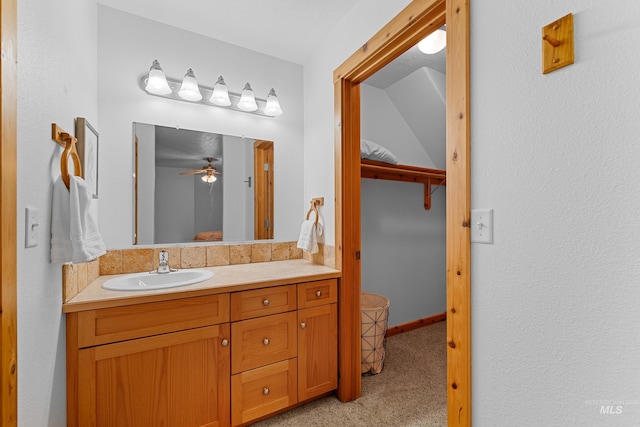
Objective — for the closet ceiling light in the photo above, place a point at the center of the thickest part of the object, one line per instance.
(434, 42)
(157, 84)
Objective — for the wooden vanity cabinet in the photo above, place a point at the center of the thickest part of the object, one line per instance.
(283, 356)
(214, 360)
(161, 363)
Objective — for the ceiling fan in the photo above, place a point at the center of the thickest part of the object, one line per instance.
(209, 171)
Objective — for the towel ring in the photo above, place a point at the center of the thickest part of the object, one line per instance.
(313, 208)
(69, 150)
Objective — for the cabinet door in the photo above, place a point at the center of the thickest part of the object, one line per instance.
(317, 351)
(176, 379)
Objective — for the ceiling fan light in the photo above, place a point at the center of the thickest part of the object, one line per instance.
(209, 179)
(247, 99)
(220, 94)
(157, 81)
(189, 89)
(273, 104)
(434, 42)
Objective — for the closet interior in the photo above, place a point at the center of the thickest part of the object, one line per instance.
(403, 225)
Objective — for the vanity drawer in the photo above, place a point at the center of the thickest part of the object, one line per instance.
(258, 342)
(262, 302)
(142, 320)
(316, 293)
(262, 391)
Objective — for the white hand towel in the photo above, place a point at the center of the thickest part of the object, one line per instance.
(307, 240)
(309, 232)
(74, 230)
(60, 240)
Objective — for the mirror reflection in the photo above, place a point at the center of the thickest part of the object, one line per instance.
(193, 186)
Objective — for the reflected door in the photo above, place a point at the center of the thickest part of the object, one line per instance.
(263, 191)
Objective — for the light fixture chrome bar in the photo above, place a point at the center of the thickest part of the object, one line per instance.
(206, 94)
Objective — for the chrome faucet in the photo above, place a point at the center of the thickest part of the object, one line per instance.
(163, 265)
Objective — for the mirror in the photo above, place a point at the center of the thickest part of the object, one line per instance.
(192, 186)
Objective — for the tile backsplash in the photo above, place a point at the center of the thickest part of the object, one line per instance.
(76, 277)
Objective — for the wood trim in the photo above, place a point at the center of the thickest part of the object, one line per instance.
(458, 215)
(8, 214)
(420, 323)
(263, 189)
(348, 238)
(417, 20)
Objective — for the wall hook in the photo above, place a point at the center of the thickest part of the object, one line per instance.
(553, 42)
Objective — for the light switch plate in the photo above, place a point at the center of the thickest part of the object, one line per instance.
(482, 226)
(31, 227)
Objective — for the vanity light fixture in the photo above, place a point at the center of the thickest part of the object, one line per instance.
(247, 99)
(273, 104)
(157, 84)
(434, 42)
(220, 94)
(189, 89)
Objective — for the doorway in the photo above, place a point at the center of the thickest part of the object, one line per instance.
(411, 25)
(263, 193)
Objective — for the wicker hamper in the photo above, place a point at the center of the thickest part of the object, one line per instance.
(374, 312)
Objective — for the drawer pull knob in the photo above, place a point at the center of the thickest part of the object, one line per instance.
(303, 325)
(266, 391)
(265, 302)
(266, 341)
(318, 293)
(225, 342)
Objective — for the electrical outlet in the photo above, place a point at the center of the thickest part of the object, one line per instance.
(482, 226)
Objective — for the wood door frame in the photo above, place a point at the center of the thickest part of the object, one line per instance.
(262, 189)
(8, 214)
(418, 19)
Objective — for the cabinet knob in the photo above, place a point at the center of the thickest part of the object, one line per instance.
(318, 293)
(266, 391)
(303, 325)
(265, 302)
(225, 342)
(266, 341)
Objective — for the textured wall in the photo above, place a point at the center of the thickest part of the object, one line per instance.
(555, 298)
(57, 68)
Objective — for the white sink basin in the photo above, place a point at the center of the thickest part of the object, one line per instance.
(151, 281)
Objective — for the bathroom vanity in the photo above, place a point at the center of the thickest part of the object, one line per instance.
(254, 340)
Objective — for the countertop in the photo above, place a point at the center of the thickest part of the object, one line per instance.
(228, 278)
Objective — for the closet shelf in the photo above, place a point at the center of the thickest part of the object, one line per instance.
(405, 173)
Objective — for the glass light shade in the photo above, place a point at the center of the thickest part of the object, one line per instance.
(189, 89)
(247, 99)
(157, 81)
(210, 179)
(220, 95)
(273, 104)
(434, 42)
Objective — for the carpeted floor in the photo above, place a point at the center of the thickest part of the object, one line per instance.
(410, 390)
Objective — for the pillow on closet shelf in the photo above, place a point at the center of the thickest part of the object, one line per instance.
(372, 151)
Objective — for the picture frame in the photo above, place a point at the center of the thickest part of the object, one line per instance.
(87, 147)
